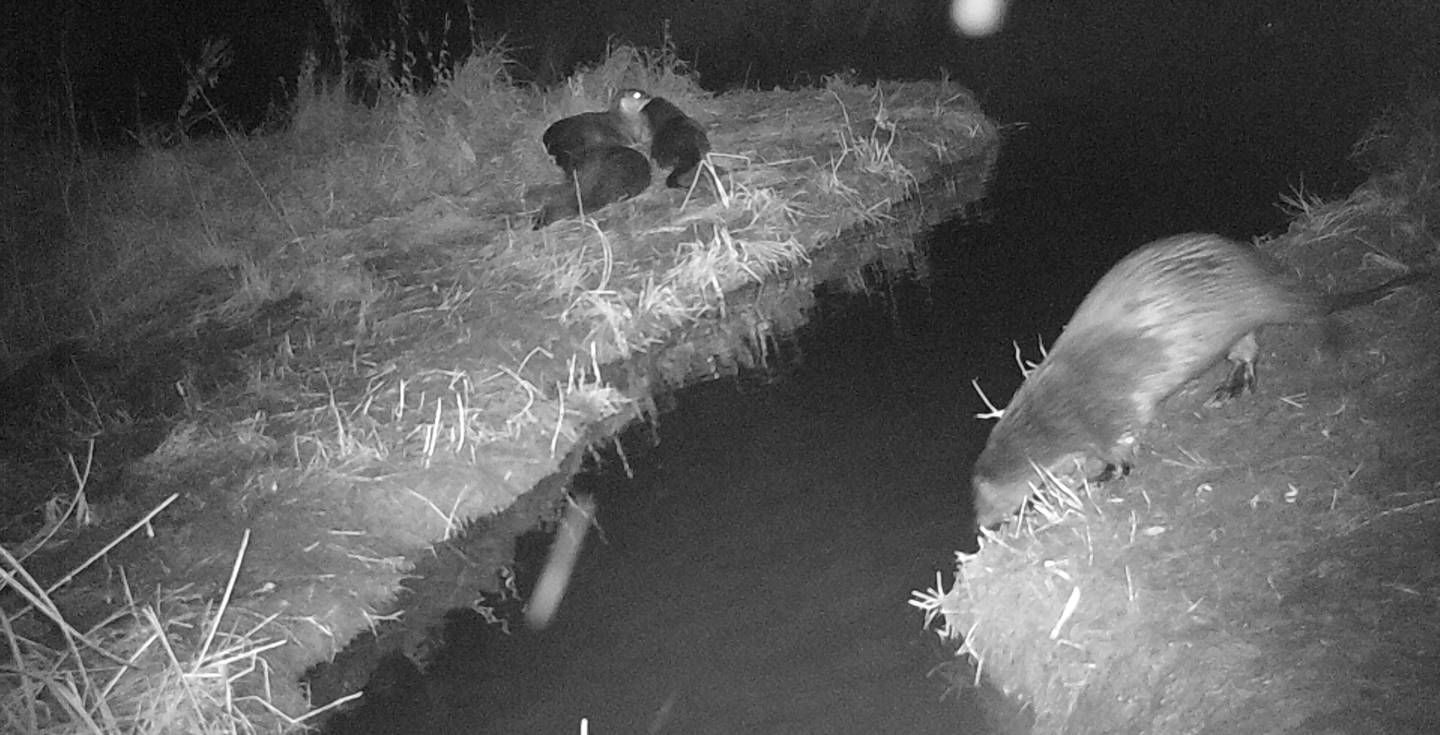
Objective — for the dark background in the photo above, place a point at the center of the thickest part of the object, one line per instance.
(754, 570)
(122, 63)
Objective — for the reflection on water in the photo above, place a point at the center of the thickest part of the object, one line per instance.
(752, 577)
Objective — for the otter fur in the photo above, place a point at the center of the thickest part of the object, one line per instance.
(1159, 318)
(677, 142)
(569, 140)
(599, 177)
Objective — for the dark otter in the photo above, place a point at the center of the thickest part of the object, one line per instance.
(570, 139)
(599, 177)
(677, 142)
(1159, 318)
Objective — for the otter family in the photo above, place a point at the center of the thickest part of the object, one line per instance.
(594, 152)
(1160, 317)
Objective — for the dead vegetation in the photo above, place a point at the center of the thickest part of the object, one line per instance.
(1271, 566)
(282, 368)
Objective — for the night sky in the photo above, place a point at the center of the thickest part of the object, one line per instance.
(124, 60)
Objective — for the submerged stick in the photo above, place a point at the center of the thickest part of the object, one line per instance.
(564, 551)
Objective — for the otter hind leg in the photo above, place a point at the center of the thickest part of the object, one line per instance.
(602, 177)
(683, 176)
(612, 175)
(1241, 379)
(560, 203)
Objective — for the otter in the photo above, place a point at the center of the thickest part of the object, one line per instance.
(1160, 317)
(593, 150)
(677, 142)
(570, 139)
(598, 177)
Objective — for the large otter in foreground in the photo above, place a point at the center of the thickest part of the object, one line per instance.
(1160, 317)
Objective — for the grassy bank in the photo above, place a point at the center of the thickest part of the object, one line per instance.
(251, 381)
(1271, 566)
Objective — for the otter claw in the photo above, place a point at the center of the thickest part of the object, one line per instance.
(1240, 380)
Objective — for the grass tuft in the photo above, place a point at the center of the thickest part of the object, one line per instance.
(1189, 595)
(340, 332)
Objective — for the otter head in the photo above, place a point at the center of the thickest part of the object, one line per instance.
(630, 101)
(996, 495)
(629, 105)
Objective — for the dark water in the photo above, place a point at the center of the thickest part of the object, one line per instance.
(753, 575)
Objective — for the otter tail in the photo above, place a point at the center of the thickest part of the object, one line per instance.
(1341, 302)
(601, 177)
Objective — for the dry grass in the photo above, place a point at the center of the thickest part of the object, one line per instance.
(164, 664)
(1190, 595)
(339, 344)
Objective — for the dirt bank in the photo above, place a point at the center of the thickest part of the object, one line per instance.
(1271, 566)
(373, 357)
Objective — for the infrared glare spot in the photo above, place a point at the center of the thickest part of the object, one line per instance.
(977, 18)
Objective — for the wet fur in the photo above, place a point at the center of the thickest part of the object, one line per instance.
(600, 177)
(677, 142)
(570, 140)
(1160, 317)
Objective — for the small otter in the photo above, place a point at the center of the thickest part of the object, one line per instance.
(569, 139)
(600, 176)
(1160, 317)
(677, 142)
